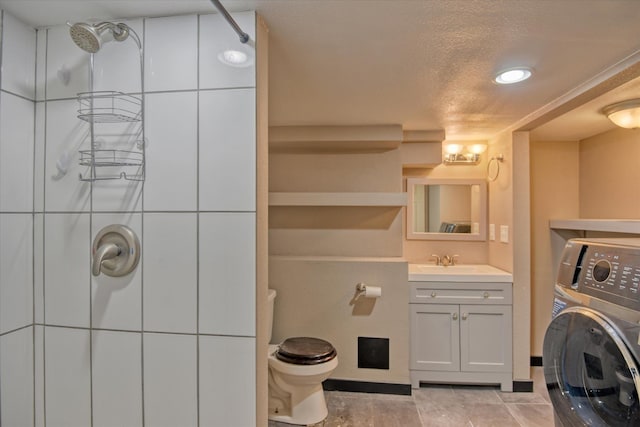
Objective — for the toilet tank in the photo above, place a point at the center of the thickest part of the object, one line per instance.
(271, 296)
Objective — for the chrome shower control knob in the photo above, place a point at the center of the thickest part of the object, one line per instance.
(115, 252)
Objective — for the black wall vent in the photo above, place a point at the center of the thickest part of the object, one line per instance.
(373, 353)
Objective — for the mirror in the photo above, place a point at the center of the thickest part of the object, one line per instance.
(446, 209)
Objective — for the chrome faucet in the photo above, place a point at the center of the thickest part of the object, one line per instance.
(445, 260)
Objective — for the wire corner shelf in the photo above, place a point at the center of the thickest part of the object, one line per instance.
(111, 107)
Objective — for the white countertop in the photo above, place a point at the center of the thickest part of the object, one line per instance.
(457, 273)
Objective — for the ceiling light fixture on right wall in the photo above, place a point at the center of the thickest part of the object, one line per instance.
(625, 114)
(513, 75)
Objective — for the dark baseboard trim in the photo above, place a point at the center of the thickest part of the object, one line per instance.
(523, 386)
(366, 387)
(536, 361)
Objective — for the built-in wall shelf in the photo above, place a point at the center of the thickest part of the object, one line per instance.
(334, 139)
(421, 149)
(631, 226)
(337, 199)
(307, 258)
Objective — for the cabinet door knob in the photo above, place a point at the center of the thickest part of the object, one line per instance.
(486, 295)
(464, 316)
(455, 316)
(433, 294)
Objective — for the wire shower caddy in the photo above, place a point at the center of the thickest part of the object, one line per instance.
(121, 153)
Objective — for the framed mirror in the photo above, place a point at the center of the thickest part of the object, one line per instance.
(446, 209)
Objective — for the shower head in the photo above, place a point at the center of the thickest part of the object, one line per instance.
(86, 37)
(90, 38)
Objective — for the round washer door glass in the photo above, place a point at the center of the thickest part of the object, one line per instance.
(591, 376)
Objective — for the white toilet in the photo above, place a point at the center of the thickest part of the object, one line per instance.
(297, 368)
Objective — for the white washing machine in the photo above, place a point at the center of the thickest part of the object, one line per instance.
(591, 352)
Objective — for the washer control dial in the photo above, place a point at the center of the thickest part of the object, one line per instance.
(601, 271)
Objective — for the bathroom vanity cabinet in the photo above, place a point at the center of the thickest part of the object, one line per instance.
(461, 333)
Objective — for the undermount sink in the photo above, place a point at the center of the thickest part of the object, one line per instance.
(457, 273)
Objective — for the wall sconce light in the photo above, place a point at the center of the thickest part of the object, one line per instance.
(625, 114)
(460, 154)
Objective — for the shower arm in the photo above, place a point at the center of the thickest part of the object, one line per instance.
(244, 37)
(120, 31)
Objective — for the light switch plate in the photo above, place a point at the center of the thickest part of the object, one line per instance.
(492, 232)
(504, 233)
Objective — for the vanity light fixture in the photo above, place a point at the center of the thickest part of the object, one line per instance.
(471, 155)
(625, 114)
(454, 148)
(513, 75)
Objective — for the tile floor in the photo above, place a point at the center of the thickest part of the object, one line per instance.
(441, 406)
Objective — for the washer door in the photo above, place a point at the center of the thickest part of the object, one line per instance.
(592, 378)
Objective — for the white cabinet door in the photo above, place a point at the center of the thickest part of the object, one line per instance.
(435, 343)
(485, 338)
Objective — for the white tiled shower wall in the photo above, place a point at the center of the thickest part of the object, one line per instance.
(172, 344)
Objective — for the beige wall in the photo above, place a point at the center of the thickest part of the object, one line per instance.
(315, 298)
(520, 240)
(347, 172)
(328, 230)
(262, 213)
(594, 178)
(609, 177)
(501, 202)
(320, 253)
(554, 195)
(509, 206)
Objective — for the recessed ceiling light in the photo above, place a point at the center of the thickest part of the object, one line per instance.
(513, 75)
(235, 58)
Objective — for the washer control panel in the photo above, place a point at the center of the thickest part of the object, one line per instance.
(608, 269)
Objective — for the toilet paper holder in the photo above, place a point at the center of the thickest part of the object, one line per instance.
(362, 289)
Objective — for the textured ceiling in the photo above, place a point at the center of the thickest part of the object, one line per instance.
(423, 64)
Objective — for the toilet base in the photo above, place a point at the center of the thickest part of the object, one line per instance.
(312, 409)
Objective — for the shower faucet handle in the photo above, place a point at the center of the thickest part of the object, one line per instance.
(116, 251)
(103, 254)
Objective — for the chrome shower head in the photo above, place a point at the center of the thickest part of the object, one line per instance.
(86, 37)
(91, 37)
